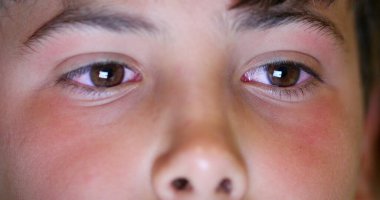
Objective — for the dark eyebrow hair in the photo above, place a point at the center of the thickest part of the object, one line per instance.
(5, 3)
(266, 4)
(266, 14)
(278, 18)
(261, 17)
(84, 16)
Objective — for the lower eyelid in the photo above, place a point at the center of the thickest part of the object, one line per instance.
(292, 94)
(87, 96)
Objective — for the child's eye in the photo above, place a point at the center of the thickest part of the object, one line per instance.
(102, 75)
(281, 74)
(100, 80)
(282, 79)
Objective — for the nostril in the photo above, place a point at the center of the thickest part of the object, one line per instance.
(181, 185)
(225, 186)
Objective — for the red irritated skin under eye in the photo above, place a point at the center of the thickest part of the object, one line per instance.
(94, 114)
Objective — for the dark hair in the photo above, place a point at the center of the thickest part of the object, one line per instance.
(368, 28)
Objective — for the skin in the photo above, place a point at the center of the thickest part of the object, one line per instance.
(190, 116)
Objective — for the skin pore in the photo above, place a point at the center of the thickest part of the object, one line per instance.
(194, 116)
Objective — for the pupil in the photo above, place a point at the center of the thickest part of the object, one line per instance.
(107, 74)
(285, 75)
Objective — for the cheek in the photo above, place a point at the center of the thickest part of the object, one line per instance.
(304, 152)
(76, 152)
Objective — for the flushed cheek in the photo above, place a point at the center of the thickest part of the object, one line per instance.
(94, 172)
(305, 153)
(55, 152)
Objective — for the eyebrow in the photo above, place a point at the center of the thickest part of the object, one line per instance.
(254, 18)
(271, 3)
(278, 18)
(259, 15)
(84, 16)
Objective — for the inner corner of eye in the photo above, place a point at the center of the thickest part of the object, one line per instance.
(247, 76)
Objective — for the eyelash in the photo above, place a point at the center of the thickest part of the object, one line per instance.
(293, 93)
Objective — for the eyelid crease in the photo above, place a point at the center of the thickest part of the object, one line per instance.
(294, 94)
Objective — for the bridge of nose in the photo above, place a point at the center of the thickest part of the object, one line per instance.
(202, 160)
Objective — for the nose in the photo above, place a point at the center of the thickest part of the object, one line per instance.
(203, 165)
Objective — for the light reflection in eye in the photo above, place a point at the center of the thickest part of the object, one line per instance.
(104, 75)
(277, 74)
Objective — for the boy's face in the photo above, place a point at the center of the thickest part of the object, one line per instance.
(175, 99)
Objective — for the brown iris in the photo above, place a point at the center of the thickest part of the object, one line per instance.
(107, 74)
(283, 75)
